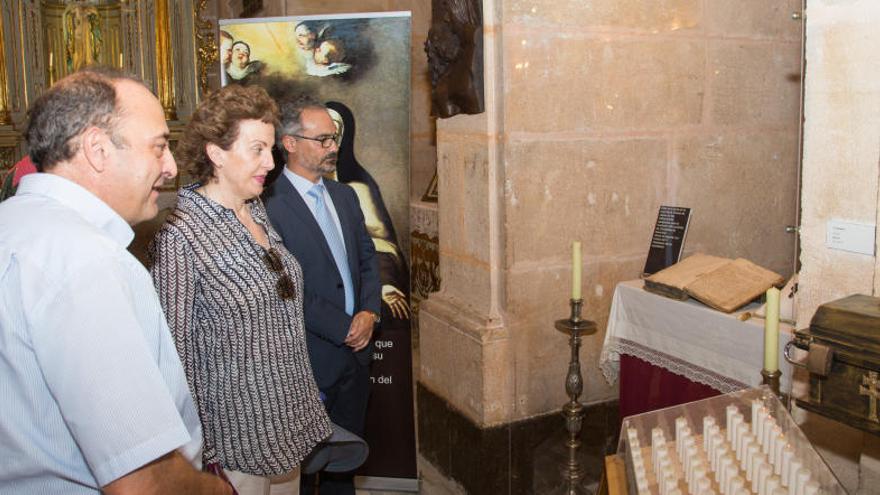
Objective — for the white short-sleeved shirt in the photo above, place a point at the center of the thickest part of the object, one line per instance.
(91, 386)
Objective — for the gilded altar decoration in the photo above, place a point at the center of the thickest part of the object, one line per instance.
(207, 46)
(4, 88)
(42, 41)
(83, 38)
(164, 61)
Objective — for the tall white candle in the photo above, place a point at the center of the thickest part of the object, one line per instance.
(771, 331)
(576, 263)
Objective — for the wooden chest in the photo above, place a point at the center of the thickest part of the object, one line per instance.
(843, 346)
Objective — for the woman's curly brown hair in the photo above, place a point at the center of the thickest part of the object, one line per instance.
(216, 120)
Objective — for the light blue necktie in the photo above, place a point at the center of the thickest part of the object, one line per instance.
(328, 227)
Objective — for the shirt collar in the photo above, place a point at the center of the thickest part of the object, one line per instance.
(299, 182)
(80, 200)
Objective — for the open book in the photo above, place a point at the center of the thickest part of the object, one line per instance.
(721, 283)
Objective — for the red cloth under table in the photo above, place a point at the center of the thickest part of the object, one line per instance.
(645, 387)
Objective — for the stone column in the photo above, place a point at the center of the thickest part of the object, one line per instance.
(465, 348)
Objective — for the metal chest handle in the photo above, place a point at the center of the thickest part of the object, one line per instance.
(819, 357)
(800, 341)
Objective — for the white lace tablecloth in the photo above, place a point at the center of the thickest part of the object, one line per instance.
(688, 339)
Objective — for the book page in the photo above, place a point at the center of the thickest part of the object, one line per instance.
(733, 285)
(686, 271)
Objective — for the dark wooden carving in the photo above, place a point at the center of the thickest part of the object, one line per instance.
(455, 57)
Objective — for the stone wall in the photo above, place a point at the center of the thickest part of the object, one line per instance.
(597, 113)
(841, 166)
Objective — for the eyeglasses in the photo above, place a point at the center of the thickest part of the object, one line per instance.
(285, 287)
(326, 141)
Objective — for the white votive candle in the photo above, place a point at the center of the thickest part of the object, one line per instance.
(787, 458)
(749, 458)
(690, 458)
(762, 421)
(793, 469)
(756, 404)
(760, 476)
(732, 473)
(767, 435)
(657, 436)
(792, 479)
(763, 476)
(778, 446)
(730, 411)
(703, 484)
(701, 476)
(739, 430)
(757, 461)
(746, 440)
(680, 424)
(803, 477)
(665, 467)
(737, 483)
(721, 453)
(812, 488)
(669, 483)
(632, 434)
(722, 471)
(773, 482)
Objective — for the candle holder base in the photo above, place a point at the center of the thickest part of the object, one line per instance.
(772, 380)
(573, 410)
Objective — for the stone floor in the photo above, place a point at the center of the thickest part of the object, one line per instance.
(522, 459)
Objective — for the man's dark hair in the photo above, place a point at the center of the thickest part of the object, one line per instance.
(291, 111)
(81, 100)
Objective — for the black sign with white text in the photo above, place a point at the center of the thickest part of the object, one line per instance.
(668, 239)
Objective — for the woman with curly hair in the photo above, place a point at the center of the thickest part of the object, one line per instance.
(233, 297)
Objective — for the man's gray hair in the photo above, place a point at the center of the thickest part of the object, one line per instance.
(291, 112)
(81, 100)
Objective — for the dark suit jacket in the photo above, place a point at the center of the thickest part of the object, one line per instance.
(324, 299)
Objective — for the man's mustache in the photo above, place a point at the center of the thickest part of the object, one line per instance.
(332, 156)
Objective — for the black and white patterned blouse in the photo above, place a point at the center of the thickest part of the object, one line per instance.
(243, 347)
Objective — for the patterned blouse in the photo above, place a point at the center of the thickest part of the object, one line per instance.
(242, 345)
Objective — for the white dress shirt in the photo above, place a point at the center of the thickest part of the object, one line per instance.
(91, 384)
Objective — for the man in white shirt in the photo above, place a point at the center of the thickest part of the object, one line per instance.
(94, 396)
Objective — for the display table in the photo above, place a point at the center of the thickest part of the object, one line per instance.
(667, 352)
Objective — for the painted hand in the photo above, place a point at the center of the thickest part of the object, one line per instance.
(396, 301)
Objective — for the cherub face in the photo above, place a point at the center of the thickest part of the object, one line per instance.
(241, 54)
(226, 51)
(305, 37)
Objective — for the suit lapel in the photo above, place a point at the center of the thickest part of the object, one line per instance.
(299, 207)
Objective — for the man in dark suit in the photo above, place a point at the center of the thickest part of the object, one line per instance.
(322, 224)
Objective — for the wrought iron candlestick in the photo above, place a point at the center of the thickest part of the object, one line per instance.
(573, 410)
